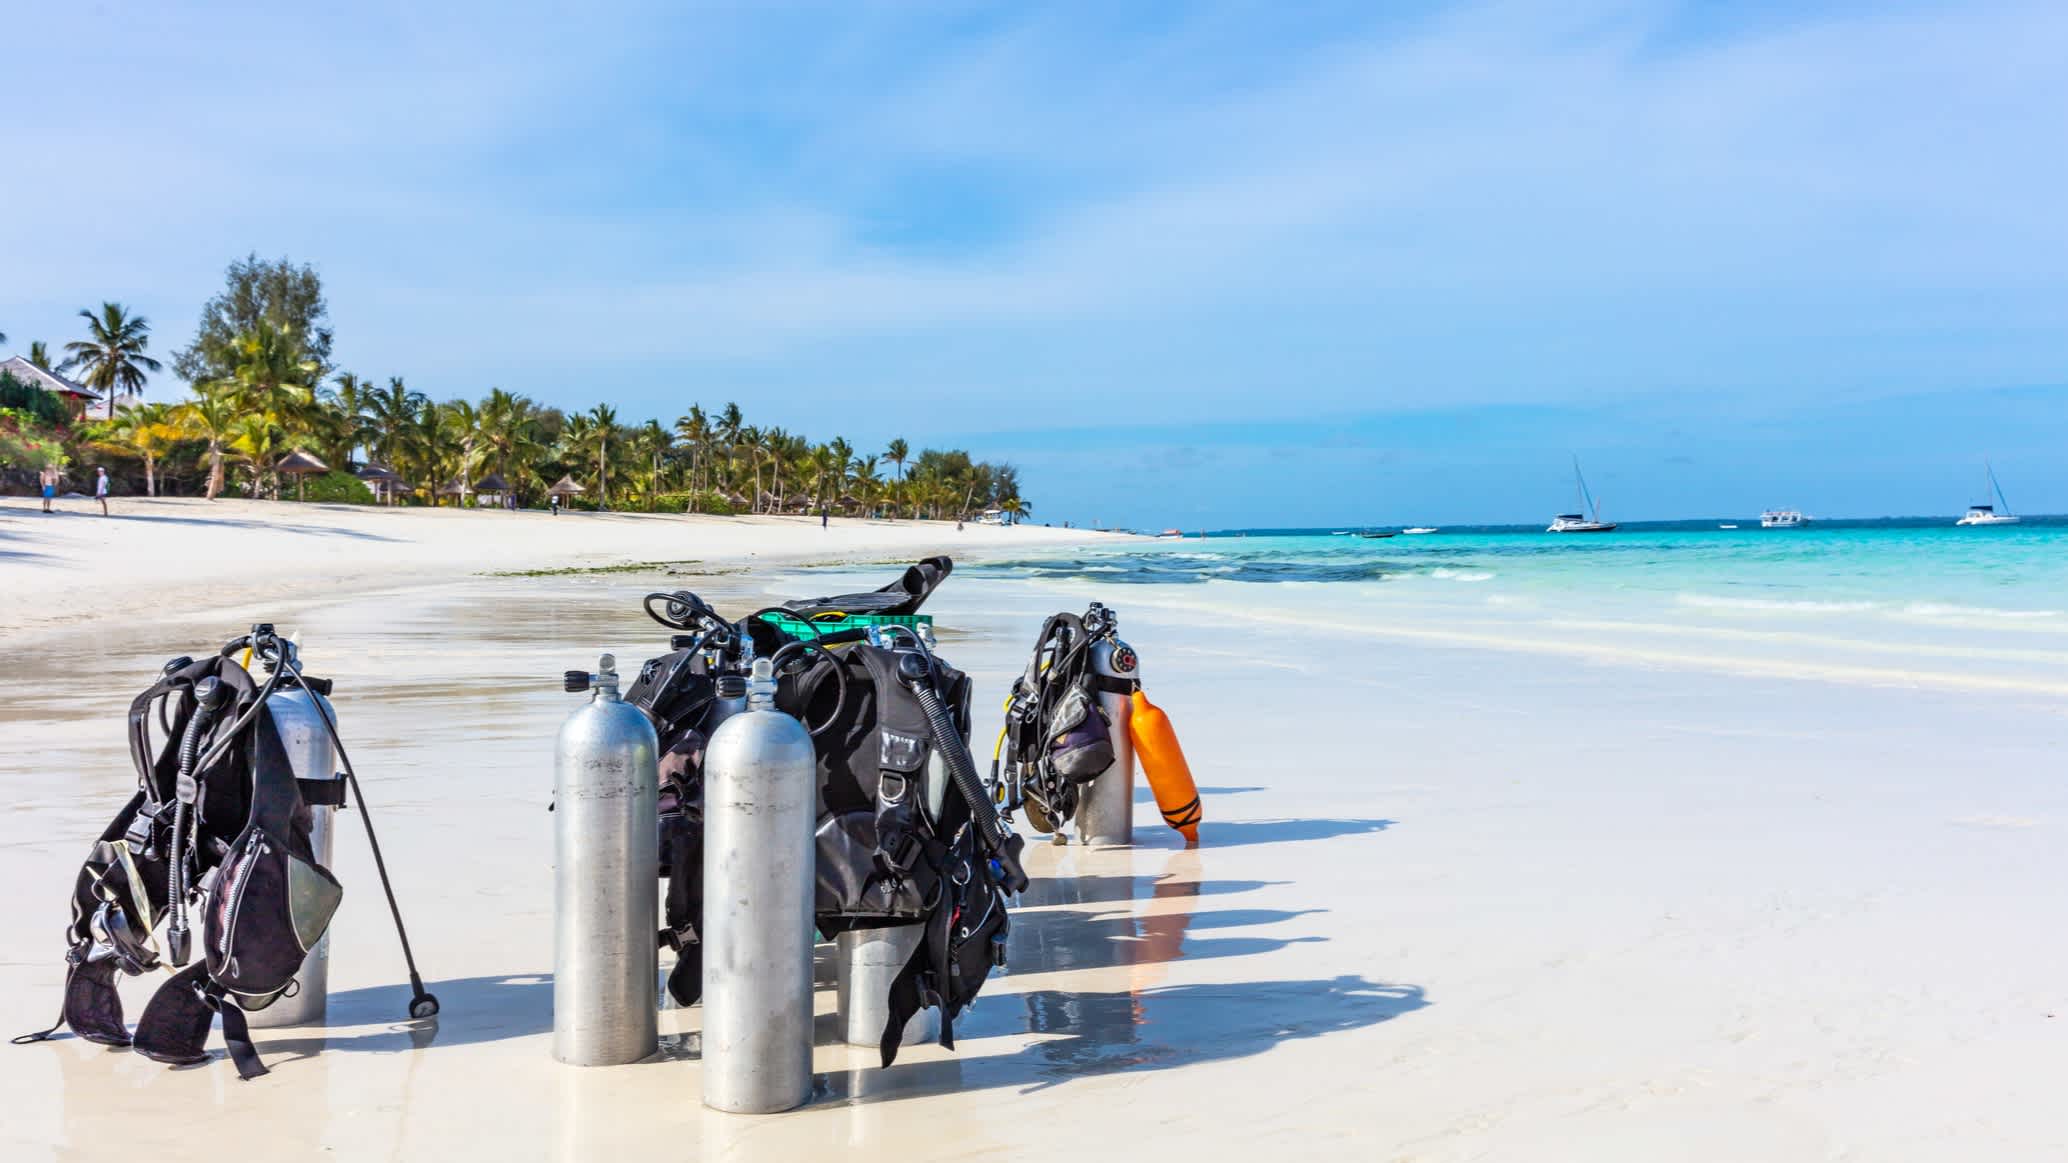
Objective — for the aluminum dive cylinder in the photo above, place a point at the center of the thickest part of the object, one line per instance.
(759, 806)
(868, 961)
(606, 899)
(1105, 815)
(297, 715)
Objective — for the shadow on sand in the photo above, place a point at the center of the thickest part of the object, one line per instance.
(1099, 1033)
(250, 523)
(1241, 833)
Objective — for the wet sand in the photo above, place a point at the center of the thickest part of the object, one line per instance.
(1452, 902)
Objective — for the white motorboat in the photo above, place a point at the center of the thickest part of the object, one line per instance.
(1782, 519)
(1419, 529)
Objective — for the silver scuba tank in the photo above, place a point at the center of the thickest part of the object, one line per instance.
(606, 891)
(1106, 814)
(759, 853)
(868, 961)
(298, 719)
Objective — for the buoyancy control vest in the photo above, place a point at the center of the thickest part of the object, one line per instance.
(1056, 737)
(887, 724)
(216, 838)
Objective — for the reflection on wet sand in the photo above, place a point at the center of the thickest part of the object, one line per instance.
(1148, 1024)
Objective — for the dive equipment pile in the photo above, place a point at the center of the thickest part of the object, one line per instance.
(217, 837)
(906, 831)
(1075, 723)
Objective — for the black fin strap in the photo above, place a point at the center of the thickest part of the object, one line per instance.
(237, 1036)
(40, 1035)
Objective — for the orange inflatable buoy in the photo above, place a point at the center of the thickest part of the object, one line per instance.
(1163, 761)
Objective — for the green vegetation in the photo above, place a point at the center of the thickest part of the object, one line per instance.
(264, 387)
(337, 488)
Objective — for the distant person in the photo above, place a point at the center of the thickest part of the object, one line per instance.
(825, 516)
(553, 503)
(100, 488)
(49, 479)
(958, 524)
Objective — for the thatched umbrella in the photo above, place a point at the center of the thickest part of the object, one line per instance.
(565, 487)
(382, 479)
(493, 485)
(301, 465)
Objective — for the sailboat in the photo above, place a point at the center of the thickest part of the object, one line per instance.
(1588, 520)
(1987, 513)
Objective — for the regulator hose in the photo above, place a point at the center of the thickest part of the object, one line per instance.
(917, 672)
(208, 696)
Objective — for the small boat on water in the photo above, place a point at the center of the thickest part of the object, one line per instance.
(1366, 533)
(1726, 526)
(1987, 513)
(1782, 519)
(1419, 529)
(1588, 520)
(1171, 533)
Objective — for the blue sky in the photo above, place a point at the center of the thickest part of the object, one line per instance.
(1198, 264)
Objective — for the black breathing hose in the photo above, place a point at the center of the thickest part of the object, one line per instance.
(917, 672)
(208, 697)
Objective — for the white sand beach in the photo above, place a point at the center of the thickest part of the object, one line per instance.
(1462, 894)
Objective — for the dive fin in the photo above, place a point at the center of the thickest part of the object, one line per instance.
(174, 1028)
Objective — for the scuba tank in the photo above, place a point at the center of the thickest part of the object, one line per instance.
(605, 897)
(301, 717)
(1107, 813)
(757, 939)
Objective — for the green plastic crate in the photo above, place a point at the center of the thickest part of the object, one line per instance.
(804, 630)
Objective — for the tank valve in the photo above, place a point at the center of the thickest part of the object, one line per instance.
(577, 681)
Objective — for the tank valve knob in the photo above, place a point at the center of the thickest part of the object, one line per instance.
(174, 665)
(577, 681)
(681, 641)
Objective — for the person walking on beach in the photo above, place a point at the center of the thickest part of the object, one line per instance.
(49, 479)
(554, 502)
(825, 516)
(100, 488)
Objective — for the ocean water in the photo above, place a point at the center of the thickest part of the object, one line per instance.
(1873, 601)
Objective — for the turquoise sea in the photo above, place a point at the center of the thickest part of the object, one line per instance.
(1905, 568)
(1912, 602)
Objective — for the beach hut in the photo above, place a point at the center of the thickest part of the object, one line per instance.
(301, 465)
(382, 480)
(492, 485)
(77, 397)
(564, 488)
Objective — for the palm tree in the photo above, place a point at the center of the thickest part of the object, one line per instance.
(389, 413)
(694, 431)
(210, 416)
(605, 419)
(39, 354)
(149, 431)
(896, 453)
(510, 436)
(272, 378)
(651, 441)
(112, 358)
(1014, 508)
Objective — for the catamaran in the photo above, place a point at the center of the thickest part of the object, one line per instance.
(1987, 513)
(1588, 520)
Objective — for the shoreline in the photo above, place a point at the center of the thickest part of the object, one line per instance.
(202, 555)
